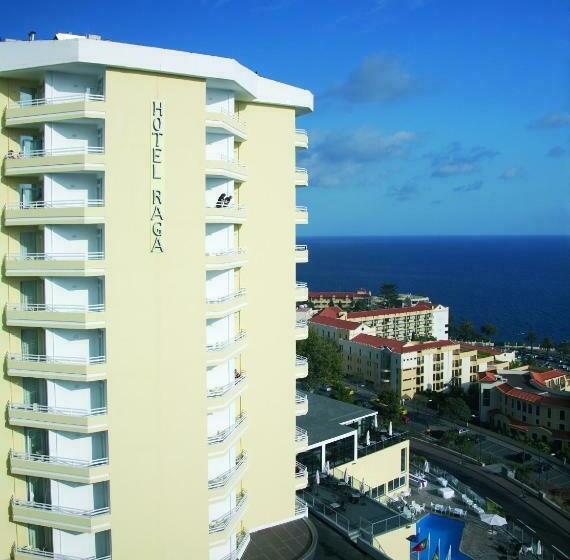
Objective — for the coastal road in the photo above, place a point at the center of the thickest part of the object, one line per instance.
(551, 526)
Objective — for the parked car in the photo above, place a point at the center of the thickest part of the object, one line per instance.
(461, 431)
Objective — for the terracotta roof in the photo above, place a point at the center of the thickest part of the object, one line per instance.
(333, 322)
(338, 294)
(390, 311)
(542, 376)
(400, 347)
(523, 395)
(469, 347)
(330, 312)
(486, 377)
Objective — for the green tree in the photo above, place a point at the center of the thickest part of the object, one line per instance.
(360, 305)
(325, 359)
(389, 405)
(463, 331)
(455, 409)
(489, 330)
(389, 293)
(341, 392)
(547, 344)
(531, 338)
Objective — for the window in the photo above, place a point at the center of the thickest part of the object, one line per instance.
(562, 415)
(518, 405)
(378, 491)
(403, 460)
(486, 397)
(549, 413)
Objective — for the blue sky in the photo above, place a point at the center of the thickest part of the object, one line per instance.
(432, 116)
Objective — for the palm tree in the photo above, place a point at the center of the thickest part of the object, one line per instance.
(531, 338)
(547, 344)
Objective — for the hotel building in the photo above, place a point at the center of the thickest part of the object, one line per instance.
(149, 216)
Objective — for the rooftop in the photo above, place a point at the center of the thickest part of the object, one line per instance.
(518, 385)
(326, 417)
(390, 311)
(333, 322)
(400, 347)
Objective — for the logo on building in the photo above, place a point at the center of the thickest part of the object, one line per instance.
(157, 178)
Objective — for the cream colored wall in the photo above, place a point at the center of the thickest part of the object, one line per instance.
(156, 320)
(269, 238)
(394, 543)
(380, 467)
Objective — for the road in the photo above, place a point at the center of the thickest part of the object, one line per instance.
(551, 526)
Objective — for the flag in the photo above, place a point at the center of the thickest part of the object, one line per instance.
(436, 555)
(422, 545)
(412, 538)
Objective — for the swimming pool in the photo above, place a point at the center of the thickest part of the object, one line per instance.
(443, 529)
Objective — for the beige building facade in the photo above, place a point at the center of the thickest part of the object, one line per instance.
(143, 386)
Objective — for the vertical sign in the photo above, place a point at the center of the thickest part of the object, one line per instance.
(157, 177)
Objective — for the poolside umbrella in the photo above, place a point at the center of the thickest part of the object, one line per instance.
(538, 548)
(390, 428)
(328, 467)
(367, 438)
(375, 420)
(346, 475)
(493, 519)
(317, 477)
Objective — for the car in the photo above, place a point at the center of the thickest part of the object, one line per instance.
(461, 431)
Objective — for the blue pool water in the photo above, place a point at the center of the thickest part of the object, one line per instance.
(446, 531)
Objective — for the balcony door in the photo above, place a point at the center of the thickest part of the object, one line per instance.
(37, 441)
(29, 194)
(29, 290)
(27, 144)
(39, 490)
(40, 538)
(35, 391)
(29, 243)
(31, 342)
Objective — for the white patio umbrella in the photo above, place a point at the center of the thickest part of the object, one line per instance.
(362, 486)
(317, 477)
(346, 475)
(426, 466)
(539, 548)
(493, 519)
(367, 438)
(328, 467)
(390, 428)
(375, 420)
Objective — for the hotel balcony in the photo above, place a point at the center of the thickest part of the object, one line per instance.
(59, 517)
(301, 254)
(301, 439)
(242, 540)
(56, 367)
(55, 316)
(301, 215)
(219, 397)
(225, 259)
(59, 468)
(57, 418)
(301, 291)
(224, 168)
(301, 476)
(301, 403)
(301, 330)
(301, 139)
(226, 122)
(223, 439)
(55, 212)
(222, 351)
(29, 553)
(301, 367)
(301, 507)
(55, 264)
(231, 214)
(56, 109)
(223, 527)
(57, 160)
(218, 485)
(301, 177)
(224, 305)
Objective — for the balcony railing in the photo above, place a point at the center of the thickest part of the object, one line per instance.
(222, 479)
(301, 507)
(301, 209)
(58, 99)
(81, 463)
(222, 435)
(90, 256)
(301, 324)
(300, 131)
(301, 434)
(49, 152)
(58, 410)
(87, 203)
(231, 114)
(225, 253)
(301, 361)
(56, 308)
(41, 358)
(242, 540)
(300, 397)
(222, 390)
(61, 509)
(222, 522)
(229, 297)
(217, 346)
(301, 285)
(300, 470)
(29, 551)
(301, 248)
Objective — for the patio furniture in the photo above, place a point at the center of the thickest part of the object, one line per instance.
(439, 508)
(442, 481)
(446, 493)
(354, 497)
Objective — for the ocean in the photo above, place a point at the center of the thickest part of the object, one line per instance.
(519, 284)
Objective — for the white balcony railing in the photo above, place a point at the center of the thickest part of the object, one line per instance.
(300, 397)
(86, 203)
(49, 152)
(72, 360)
(301, 170)
(301, 434)
(301, 285)
(66, 461)
(223, 521)
(231, 114)
(300, 131)
(90, 256)
(301, 324)
(222, 435)
(217, 346)
(225, 253)
(301, 507)
(303, 209)
(222, 390)
(46, 409)
(58, 99)
(230, 206)
(222, 479)
(301, 361)
(30, 551)
(242, 540)
(61, 509)
(301, 248)
(300, 470)
(56, 308)
(229, 297)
